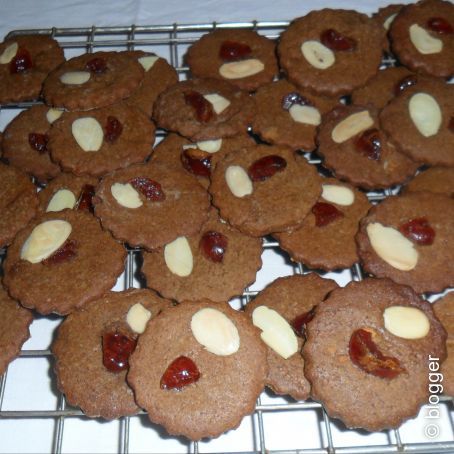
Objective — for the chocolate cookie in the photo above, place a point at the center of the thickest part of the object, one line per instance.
(204, 380)
(92, 350)
(18, 202)
(435, 179)
(25, 142)
(93, 80)
(264, 189)
(420, 121)
(215, 264)
(384, 18)
(61, 261)
(354, 146)
(288, 116)
(14, 328)
(408, 239)
(242, 57)
(96, 142)
(25, 61)
(202, 109)
(285, 307)
(151, 204)
(326, 238)
(423, 39)
(366, 354)
(331, 51)
(444, 310)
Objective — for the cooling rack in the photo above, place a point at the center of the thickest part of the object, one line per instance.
(34, 416)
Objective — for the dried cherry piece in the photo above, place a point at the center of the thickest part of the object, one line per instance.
(325, 213)
(116, 350)
(112, 129)
(67, 251)
(85, 202)
(233, 50)
(365, 354)
(38, 142)
(203, 108)
(213, 246)
(21, 62)
(197, 163)
(404, 83)
(266, 167)
(299, 323)
(97, 65)
(293, 98)
(151, 189)
(336, 41)
(418, 230)
(440, 25)
(369, 144)
(180, 372)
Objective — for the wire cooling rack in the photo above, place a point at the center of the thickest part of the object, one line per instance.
(34, 416)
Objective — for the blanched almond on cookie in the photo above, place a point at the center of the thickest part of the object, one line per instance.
(425, 114)
(218, 102)
(318, 55)
(148, 61)
(62, 199)
(75, 77)
(340, 195)
(423, 41)
(305, 114)
(126, 195)
(406, 322)
(178, 257)
(137, 318)
(88, 133)
(242, 68)
(9, 53)
(352, 125)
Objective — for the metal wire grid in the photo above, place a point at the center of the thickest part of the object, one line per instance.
(172, 39)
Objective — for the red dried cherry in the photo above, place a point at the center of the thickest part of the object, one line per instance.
(213, 246)
(38, 142)
(116, 350)
(196, 162)
(203, 108)
(21, 62)
(418, 230)
(365, 354)
(369, 144)
(299, 323)
(180, 372)
(293, 98)
(233, 50)
(96, 65)
(85, 202)
(66, 252)
(404, 83)
(112, 129)
(151, 189)
(325, 213)
(266, 167)
(440, 25)
(335, 41)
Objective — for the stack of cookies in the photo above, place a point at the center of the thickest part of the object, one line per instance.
(83, 180)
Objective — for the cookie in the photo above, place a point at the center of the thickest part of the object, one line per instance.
(326, 238)
(239, 56)
(14, 329)
(225, 361)
(356, 149)
(264, 189)
(423, 39)
(444, 310)
(288, 116)
(435, 179)
(408, 239)
(25, 142)
(291, 302)
(93, 80)
(25, 61)
(18, 202)
(61, 261)
(420, 122)
(92, 349)
(158, 76)
(384, 18)
(366, 354)
(331, 51)
(102, 140)
(219, 262)
(203, 109)
(151, 205)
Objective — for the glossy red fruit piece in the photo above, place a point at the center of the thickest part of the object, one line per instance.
(85, 202)
(180, 373)
(116, 350)
(203, 108)
(293, 98)
(197, 165)
(364, 353)
(440, 25)
(418, 230)
(21, 62)
(336, 41)
(404, 83)
(266, 167)
(151, 189)
(233, 50)
(66, 252)
(97, 65)
(325, 213)
(213, 246)
(369, 144)
(38, 142)
(112, 129)
(299, 323)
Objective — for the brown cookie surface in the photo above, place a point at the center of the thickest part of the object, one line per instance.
(435, 179)
(384, 18)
